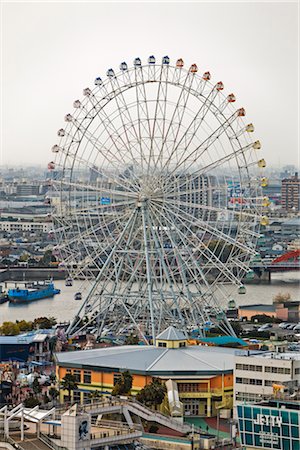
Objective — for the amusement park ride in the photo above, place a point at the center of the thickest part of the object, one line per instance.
(157, 199)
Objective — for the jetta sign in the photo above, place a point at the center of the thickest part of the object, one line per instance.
(273, 421)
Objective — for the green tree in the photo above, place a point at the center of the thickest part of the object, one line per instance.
(44, 322)
(69, 384)
(132, 339)
(31, 402)
(53, 393)
(36, 387)
(152, 394)
(123, 385)
(95, 395)
(10, 329)
(46, 399)
(24, 325)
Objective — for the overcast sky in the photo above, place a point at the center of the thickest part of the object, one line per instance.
(51, 51)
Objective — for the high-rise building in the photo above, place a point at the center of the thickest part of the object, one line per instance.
(290, 193)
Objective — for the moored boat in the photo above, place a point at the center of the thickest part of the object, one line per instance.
(32, 291)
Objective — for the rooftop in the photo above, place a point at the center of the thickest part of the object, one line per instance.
(171, 334)
(258, 307)
(153, 360)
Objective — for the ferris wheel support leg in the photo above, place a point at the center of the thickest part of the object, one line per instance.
(166, 271)
(108, 260)
(148, 270)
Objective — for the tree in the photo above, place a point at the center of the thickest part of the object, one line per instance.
(44, 322)
(36, 387)
(152, 394)
(95, 395)
(69, 384)
(123, 385)
(31, 402)
(282, 297)
(132, 339)
(10, 329)
(46, 399)
(24, 325)
(53, 393)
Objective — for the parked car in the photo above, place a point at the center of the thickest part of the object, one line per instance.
(265, 327)
(283, 325)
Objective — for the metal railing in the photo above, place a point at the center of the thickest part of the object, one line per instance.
(48, 441)
(9, 440)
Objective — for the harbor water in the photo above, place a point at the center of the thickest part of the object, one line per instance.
(63, 306)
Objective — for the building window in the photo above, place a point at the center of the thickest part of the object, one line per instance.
(252, 381)
(191, 407)
(77, 375)
(251, 367)
(86, 397)
(189, 387)
(282, 370)
(162, 344)
(76, 396)
(87, 377)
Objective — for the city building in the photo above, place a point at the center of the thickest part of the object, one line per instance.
(256, 374)
(290, 193)
(11, 226)
(291, 227)
(31, 346)
(203, 376)
(273, 424)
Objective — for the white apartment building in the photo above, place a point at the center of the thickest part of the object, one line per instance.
(14, 226)
(256, 374)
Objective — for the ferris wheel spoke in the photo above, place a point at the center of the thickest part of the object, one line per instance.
(142, 106)
(102, 173)
(185, 266)
(205, 145)
(205, 251)
(196, 206)
(177, 116)
(209, 228)
(193, 127)
(106, 263)
(131, 134)
(168, 273)
(160, 108)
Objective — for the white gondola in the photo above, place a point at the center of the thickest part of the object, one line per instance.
(87, 92)
(61, 132)
(151, 59)
(77, 104)
(137, 62)
(68, 118)
(69, 282)
(123, 66)
(55, 149)
(110, 73)
(166, 60)
(98, 81)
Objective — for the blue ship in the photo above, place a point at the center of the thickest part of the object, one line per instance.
(31, 292)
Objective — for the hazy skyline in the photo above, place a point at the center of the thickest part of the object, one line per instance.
(51, 51)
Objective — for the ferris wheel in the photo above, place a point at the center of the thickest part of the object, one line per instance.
(157, 199)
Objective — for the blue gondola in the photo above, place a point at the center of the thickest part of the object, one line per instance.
(166, 60)
(78, 296)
